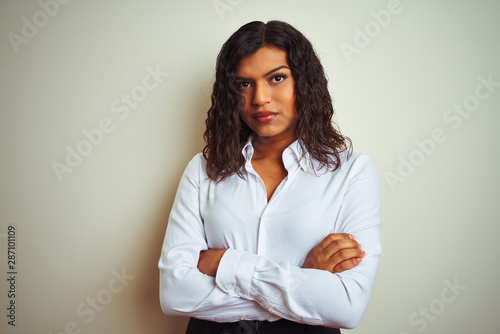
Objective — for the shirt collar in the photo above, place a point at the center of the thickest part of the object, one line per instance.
(248, 150)
(292, 156)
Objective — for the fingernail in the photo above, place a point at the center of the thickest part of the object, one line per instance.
(359, 259)
(351, 236)
(363, 252)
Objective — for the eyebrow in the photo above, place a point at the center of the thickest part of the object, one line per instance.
(271, 71)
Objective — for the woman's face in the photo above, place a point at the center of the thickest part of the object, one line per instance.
(265, 80)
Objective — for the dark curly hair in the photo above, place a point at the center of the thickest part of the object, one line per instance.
(226, 133)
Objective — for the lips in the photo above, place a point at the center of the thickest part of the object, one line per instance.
(265, 116)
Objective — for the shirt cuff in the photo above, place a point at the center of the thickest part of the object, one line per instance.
(235, 272)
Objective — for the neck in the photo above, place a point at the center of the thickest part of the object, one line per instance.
(271, 147)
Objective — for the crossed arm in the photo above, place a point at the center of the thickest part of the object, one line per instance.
(336, 253)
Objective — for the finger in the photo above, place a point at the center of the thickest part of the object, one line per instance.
(334, 237)
(346, 254)
(339, 245)
(346, 265)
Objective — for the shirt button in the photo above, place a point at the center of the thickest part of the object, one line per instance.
(229, 287)
(242, 317)
(237, 289)
(270, 308)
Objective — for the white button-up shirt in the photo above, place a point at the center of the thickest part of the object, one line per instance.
(260, 276)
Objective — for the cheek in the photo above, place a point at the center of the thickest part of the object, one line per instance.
(247, 101)
(245, 112)
(289, 100)
(288, 95)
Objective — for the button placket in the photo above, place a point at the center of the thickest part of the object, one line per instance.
(261, 194)
(262, 238)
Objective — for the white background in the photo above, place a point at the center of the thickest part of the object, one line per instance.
(109, 214)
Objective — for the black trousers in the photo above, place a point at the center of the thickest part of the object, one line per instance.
(197, 326)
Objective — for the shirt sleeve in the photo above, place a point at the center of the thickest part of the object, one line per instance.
(184, 290)
(315, 296)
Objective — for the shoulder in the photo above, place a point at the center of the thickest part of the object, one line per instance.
(196, 168)
(354, 159)
(356, 163)
(358, 168)
(197, 161)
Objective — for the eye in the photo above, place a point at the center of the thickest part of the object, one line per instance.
(278, 78)
(242, 84)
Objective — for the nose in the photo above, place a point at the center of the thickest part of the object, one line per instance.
(262, 94)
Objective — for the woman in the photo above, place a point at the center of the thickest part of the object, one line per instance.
(266, 229)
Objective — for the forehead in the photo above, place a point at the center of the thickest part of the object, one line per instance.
(262, 61)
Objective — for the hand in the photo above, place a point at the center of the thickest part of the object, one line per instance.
(209, 261)
(338, 252)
